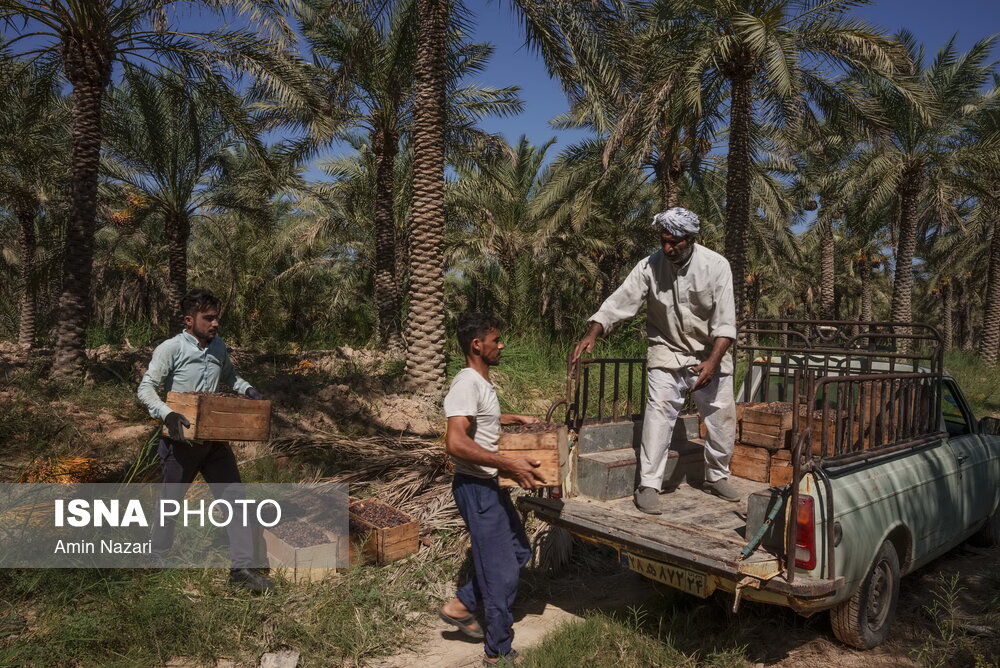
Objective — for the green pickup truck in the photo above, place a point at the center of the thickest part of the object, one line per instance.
(889, 469)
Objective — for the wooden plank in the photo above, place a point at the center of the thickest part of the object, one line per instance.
(547, 440)
(549, 468)
(769, 441)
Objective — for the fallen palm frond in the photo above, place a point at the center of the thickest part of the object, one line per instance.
(64, 470)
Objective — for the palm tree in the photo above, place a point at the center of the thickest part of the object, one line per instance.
(425, 360)
(33, 152)
(166, 136)
(768, 54)
(490, 223)
(366, 53)
(916, 166)
(86, 38)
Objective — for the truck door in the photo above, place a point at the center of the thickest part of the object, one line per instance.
(972, 484)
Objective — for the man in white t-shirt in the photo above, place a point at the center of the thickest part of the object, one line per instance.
(499, 545)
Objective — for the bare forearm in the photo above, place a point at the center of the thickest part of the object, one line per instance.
(468, 450)
(719, 348)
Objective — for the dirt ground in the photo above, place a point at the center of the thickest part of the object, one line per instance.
(772, 637)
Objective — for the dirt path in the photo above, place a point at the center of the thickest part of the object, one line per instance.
(773, 637)
(534, 618)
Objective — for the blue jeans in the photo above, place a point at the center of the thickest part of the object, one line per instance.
(499, 549)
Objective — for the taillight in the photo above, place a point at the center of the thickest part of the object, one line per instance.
(805, 534)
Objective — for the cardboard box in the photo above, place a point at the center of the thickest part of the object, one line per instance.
(220, 418)
(381, 544)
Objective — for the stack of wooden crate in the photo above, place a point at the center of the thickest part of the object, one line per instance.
(763, 452)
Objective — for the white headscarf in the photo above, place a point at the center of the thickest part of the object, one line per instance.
(677, 221)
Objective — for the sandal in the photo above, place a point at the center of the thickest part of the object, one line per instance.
(467, 625)
(512, 658)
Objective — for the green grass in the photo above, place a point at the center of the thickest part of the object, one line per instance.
(136, 617)
(979, 382)
(670, 631)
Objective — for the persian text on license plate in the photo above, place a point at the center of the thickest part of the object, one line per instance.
(680, 578)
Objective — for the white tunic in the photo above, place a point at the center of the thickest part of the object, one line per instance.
(687, 307)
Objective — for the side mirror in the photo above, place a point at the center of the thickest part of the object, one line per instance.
(989, 425)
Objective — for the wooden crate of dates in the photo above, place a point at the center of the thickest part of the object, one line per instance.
(303, 552)
(215, 416)
(382, 534)
(766, 425)
(543, 441)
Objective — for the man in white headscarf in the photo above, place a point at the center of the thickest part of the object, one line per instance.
(690, 323)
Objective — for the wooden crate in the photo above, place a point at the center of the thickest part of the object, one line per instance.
(216, 418)
(748, 436)
(781, 468)
(548, 447)
(311, 563)
(767, 421)
(751, 463)
(382, 545)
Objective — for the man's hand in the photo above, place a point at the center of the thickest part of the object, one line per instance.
(175, 423)
(706, 372)
(514, 418)
(251, 393)
(524, 472)
(587, 343)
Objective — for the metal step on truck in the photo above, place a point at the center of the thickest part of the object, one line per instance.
(857, 456)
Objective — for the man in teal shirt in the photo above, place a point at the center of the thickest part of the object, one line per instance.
(196, 360)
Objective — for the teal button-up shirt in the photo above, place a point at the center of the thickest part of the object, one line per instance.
(184, 366)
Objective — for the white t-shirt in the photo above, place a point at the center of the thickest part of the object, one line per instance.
(474, 397)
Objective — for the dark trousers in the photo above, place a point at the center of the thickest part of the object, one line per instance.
(499, 549)
(181, 462)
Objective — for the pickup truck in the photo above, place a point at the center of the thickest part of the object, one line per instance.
(887, 470)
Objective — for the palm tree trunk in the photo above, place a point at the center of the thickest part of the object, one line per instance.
(89, 80)
(902, 285)
(990, 341)
(865, 266)
(29, 247)
(969, 325)
(947, 301)
(425, 360)
(178, 230)
(388, 296)
(738, 185)
(826, 290)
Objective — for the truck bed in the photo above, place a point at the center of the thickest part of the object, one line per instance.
(709, 529)
(696, 531)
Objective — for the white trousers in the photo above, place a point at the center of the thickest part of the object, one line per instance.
(666, 389)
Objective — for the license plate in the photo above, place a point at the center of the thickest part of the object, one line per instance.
(679, 578)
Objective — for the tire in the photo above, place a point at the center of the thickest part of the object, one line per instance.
(864, 620)
(989, 534)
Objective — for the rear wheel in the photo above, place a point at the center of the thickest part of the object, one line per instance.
(864, 620)
(989, 535)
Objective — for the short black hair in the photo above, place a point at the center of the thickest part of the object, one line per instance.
(475, 326)
(198, 301)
